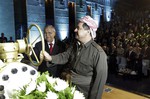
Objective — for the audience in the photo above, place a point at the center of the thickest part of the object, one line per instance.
(124, 34)
(3, 39)
(10, 39)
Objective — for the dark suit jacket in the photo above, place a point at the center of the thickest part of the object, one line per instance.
(53, 69)
(132, 61)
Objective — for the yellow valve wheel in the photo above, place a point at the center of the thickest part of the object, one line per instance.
(29, 47)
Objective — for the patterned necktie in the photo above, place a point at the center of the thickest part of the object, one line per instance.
(51, 47)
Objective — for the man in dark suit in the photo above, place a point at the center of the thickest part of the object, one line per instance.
(131, 59)
(3, 39)
(52, 46)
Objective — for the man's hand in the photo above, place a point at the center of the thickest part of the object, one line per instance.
(46, 56)
(41, 55)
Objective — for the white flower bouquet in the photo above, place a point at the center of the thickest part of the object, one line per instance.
(46, 87)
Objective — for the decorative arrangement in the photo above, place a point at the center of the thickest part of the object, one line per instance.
(46, 87)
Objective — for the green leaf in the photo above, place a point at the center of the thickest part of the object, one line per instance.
(35, 94)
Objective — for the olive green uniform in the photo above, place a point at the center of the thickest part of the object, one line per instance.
(89, 68)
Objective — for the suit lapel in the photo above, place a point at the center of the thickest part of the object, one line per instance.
(55, 49)
(47, 47)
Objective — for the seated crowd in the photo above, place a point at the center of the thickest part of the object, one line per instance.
(127, 43)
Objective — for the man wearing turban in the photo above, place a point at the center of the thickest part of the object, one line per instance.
(88, 60)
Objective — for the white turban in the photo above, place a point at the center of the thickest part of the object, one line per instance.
(91, 23)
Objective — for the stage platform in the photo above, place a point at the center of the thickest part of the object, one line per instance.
(115, 93)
